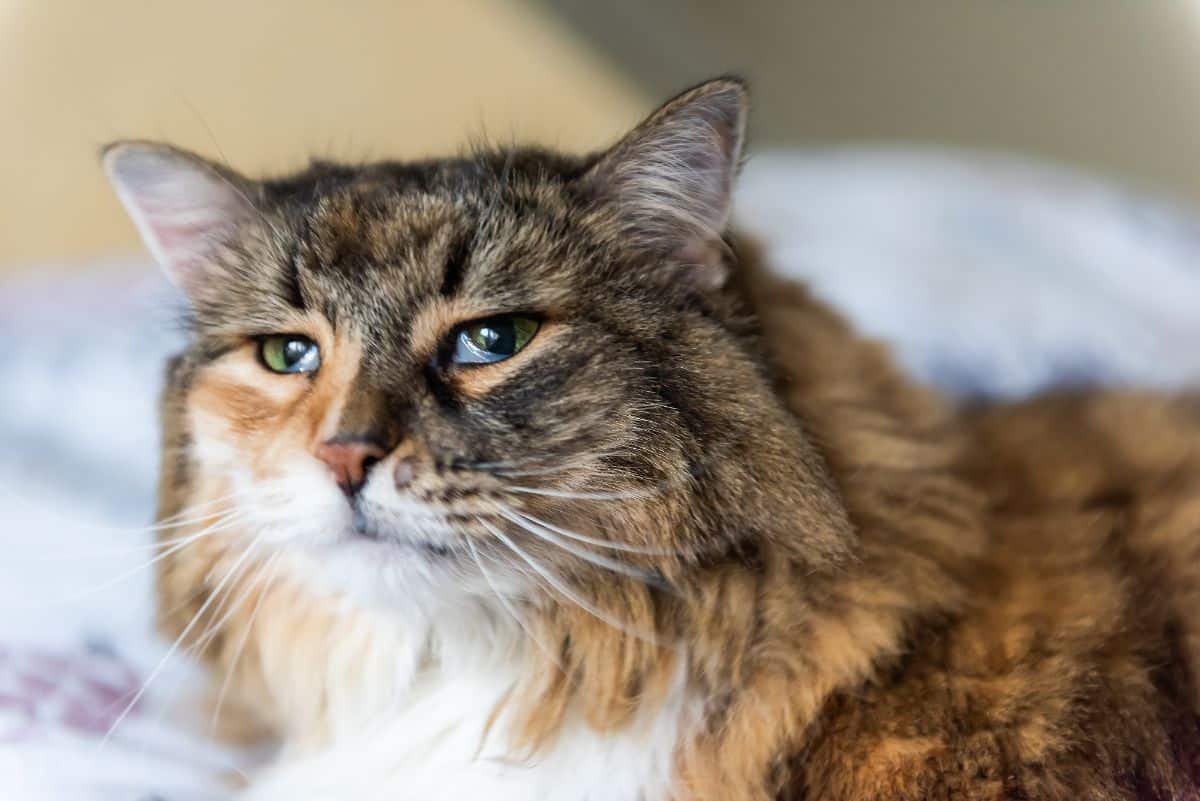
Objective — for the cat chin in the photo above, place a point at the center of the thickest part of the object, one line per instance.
(390, 574)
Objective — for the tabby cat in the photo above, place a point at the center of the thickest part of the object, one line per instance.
(515, 476)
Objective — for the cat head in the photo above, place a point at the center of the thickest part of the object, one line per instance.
(513, 372)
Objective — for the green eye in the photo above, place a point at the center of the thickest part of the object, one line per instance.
(289, 353)
(492, 340)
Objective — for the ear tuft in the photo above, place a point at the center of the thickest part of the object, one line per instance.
(184, 207)
(671, 178)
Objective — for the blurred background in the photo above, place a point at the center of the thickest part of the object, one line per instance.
(1110, 85)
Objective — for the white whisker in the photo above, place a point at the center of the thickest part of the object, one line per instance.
(215, 628)
(557, 584)
(599, 560)
(211, 631)
(171, 651)
(85, 526)
(508, 607)
(597, 541)
(579, 496)
(227, 523)
(271, 565)
(128, 549)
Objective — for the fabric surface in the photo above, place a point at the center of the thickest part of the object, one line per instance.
(989, 276)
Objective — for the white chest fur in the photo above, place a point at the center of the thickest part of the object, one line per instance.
(434, 749)
(405, 716)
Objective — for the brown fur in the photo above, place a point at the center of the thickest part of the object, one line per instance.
(880, 596)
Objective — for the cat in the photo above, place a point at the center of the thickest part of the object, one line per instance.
(518, 475)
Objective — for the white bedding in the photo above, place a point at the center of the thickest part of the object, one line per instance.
(989, 276)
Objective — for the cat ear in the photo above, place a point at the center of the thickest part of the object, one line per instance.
(184, 207)
(671, 178)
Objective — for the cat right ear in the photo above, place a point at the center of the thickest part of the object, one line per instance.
(185, 207)
(670, 180)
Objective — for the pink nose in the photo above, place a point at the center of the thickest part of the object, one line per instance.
(350, 462)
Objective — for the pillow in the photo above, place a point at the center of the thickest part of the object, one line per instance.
(989, 275)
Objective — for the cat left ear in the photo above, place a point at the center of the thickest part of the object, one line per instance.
(185, 207)
(671, 179)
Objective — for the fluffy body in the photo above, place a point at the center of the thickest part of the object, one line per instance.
(698, 541)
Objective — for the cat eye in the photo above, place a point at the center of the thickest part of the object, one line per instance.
(289, 353)
(492, 340)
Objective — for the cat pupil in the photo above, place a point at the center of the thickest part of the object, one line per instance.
(294, 351)
(494, 340)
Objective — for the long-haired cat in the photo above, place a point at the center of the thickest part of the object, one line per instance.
(512, 476)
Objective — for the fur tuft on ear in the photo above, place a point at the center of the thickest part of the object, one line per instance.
(184, 206)
(671, 178)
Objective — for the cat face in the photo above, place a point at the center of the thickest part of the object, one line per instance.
(514, 372)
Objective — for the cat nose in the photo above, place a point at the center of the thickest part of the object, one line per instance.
(350, 461)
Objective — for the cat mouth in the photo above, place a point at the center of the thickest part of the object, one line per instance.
(363, 528)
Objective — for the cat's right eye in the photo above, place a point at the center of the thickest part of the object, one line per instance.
(289, 353)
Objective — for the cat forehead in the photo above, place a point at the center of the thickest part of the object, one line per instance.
(370, 242)
(360, 240)
(384, 204)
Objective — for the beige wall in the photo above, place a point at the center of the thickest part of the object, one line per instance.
(1109, 85)
(265, 85)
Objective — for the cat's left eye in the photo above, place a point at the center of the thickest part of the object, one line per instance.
(492, 340)
(289, 353)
